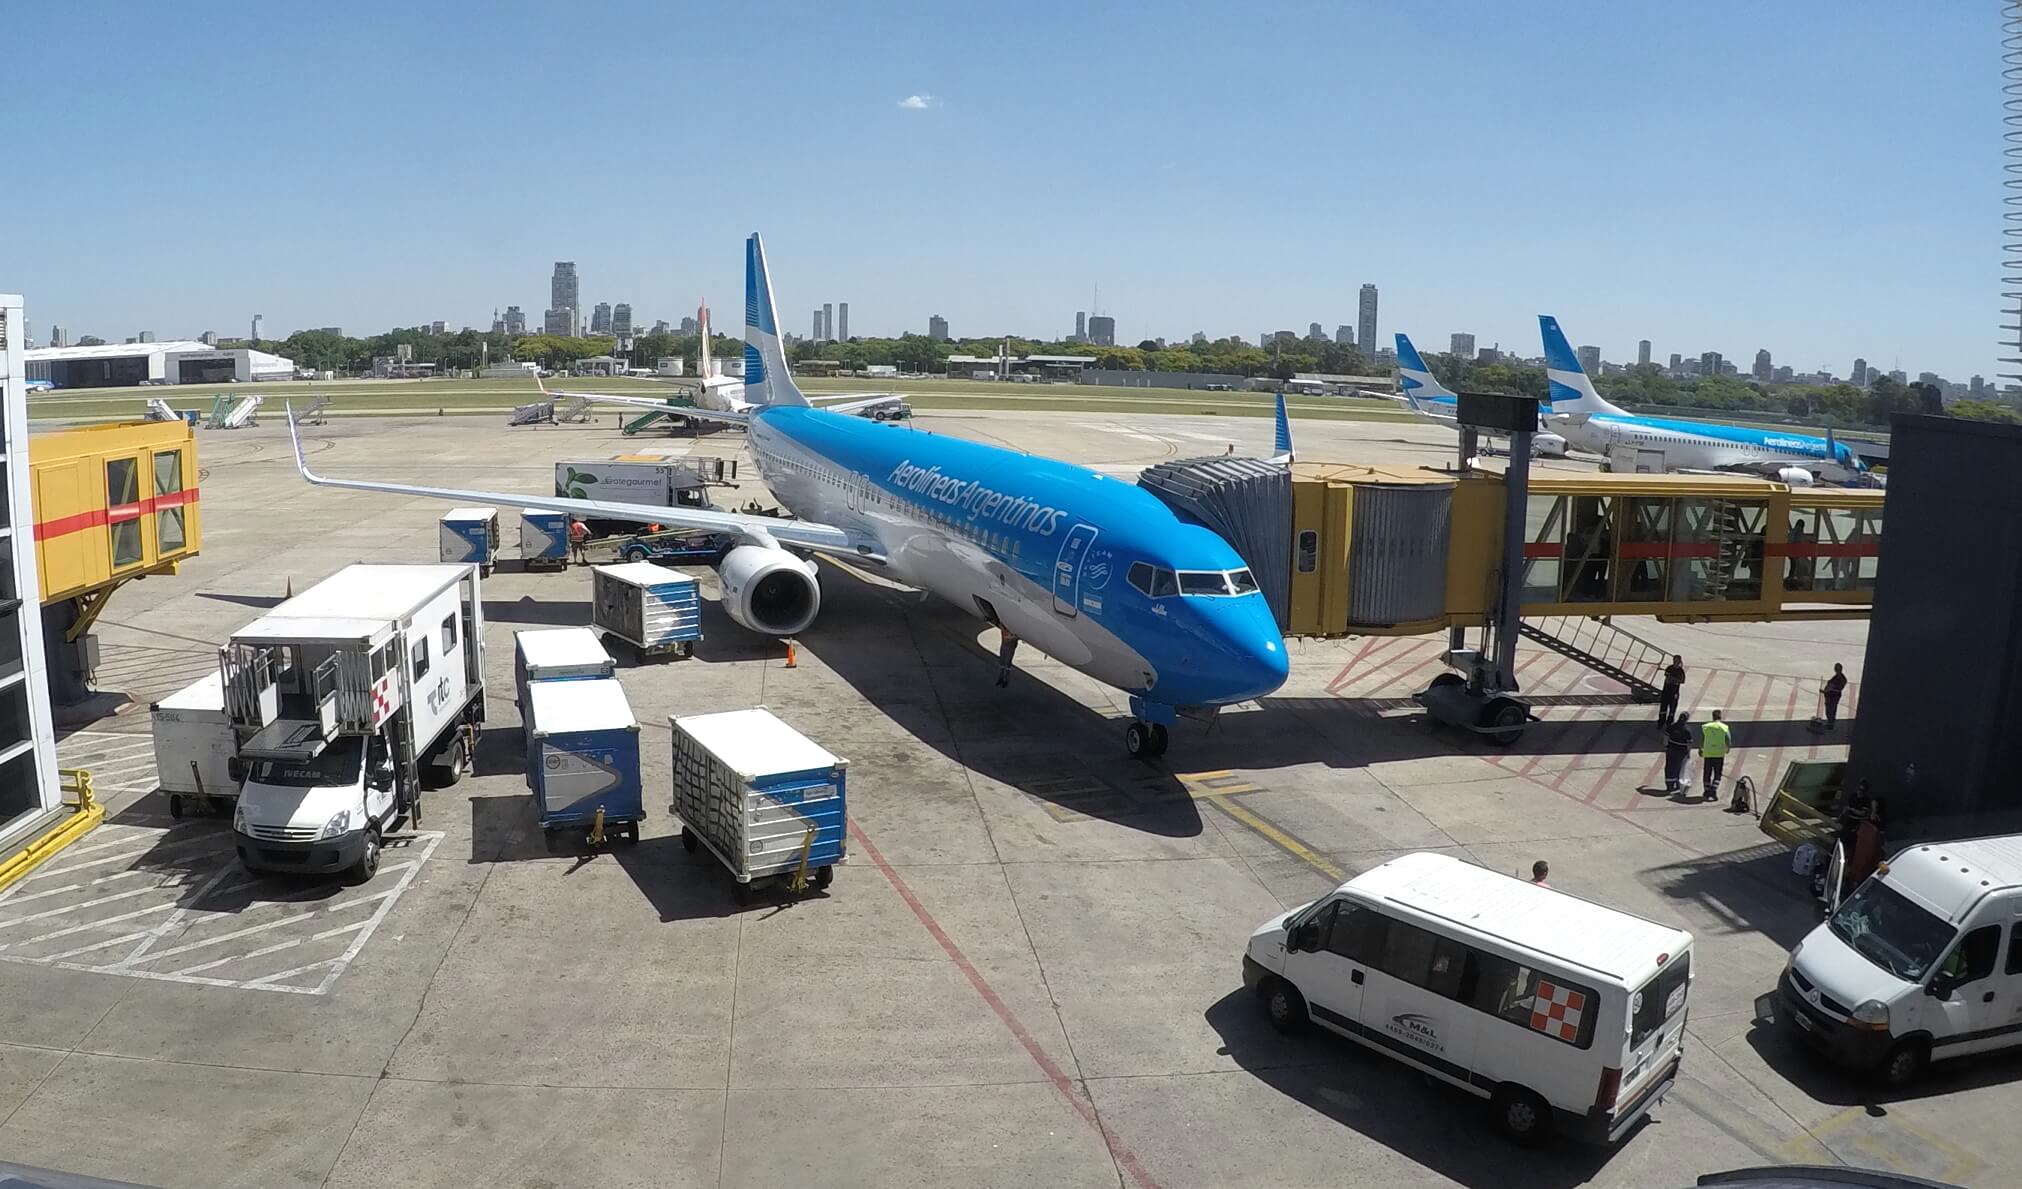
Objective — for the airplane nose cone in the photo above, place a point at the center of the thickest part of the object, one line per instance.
(1247, 657)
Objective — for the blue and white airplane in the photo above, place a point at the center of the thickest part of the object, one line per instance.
(1589, 423)
(1091, 570)
(1435, 401)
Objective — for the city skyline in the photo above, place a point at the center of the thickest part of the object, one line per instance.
(1615, 252)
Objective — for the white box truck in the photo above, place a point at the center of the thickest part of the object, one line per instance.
(347, 701)
(194, 746)
(639, 479)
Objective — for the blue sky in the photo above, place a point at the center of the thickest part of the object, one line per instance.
(1820, 178)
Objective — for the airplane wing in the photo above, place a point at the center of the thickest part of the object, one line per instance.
(855, 402)
(764, 530)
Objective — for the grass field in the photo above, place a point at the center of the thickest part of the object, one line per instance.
(368, 398)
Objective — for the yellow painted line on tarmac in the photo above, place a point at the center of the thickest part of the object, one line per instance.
(1958, 1164)
(1279, 838)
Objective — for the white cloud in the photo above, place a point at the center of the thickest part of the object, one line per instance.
(917, 102)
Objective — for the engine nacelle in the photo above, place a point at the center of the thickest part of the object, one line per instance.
(1548, 445)
(1794, 476)
(769, 590)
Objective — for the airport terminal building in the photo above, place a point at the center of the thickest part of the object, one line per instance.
(183, 362)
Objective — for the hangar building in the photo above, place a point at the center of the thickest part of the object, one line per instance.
(184, 362)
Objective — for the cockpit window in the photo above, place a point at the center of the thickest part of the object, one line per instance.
(1216, 583)
(1152, 581)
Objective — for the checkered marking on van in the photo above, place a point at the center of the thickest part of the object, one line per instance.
(1555, 1011)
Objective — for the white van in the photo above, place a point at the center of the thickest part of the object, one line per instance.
(1922, 962)
(1565, 1014)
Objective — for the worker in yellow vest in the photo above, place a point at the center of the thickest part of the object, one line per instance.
(1714, 741)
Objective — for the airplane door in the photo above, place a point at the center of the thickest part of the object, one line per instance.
(1067, 568)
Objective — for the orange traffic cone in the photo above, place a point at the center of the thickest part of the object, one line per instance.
(791, 662)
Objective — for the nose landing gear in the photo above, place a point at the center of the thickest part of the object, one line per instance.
(1145, 740)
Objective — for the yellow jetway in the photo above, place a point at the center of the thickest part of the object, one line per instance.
(1397, 551)
(112, 503)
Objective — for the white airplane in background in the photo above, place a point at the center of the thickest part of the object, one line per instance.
(1436, 402)
(1590, 423)
(725, 394)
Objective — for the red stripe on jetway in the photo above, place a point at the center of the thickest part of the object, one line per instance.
(1824, 549)
(1544, 549)
(63, 526)
(1640, 550)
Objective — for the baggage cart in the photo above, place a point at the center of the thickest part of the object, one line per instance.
(653, 609)
(556, 654)
(769, 803)
(194, 747)
(470, 535)
(544, 539)
(583, 759)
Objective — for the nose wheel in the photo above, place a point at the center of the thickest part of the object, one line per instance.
(1145, 740)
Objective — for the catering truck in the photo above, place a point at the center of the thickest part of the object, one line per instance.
(640, 479)
(349, 700)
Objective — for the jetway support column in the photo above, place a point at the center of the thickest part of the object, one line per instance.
(1516, 494)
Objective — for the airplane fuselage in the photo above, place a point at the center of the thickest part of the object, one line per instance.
(1699, 445)
(1086, 568)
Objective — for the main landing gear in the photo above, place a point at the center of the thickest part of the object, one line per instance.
(1145, 740)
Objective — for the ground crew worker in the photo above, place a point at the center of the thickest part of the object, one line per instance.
(1713, 743)
(1539, 870)
(1677, 748)
(579, 542)
(1835, 686)
(1007, 647)
(1674, 683)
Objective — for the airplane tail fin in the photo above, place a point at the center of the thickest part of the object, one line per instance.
(1415, 378)
(1572, 390)
(706, 368)
(1281, 443)
(767, 381)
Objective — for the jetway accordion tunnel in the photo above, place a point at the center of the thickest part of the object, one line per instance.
(1355, 550)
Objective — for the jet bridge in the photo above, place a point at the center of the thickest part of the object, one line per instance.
(1360, 550)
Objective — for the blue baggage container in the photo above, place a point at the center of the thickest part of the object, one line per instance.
(582, 756)
(654, 609)
(469, 535)
(544, 539)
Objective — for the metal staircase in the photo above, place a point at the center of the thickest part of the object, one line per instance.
(1601, 646)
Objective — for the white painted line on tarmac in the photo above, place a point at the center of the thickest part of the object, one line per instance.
(70, 908)
(99, 924)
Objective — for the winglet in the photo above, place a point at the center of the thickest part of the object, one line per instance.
(1282, 442)
(295, 436)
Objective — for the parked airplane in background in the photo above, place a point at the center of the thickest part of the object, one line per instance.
(40, 385)
(1435, 401)
(1092, 571)
(725, 394)
(1592, 424)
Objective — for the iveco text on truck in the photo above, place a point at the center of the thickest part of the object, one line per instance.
(348, 700)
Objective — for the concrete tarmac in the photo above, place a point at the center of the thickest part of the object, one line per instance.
(1026, 974)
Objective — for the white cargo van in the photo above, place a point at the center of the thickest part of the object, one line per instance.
(1922, 962)
(347, 700)
(1567, 1015)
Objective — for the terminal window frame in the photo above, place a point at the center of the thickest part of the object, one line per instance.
(170, 535)
(122, 490)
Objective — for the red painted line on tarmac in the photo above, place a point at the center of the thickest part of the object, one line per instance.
(1767, 684)
(1082, 1105)
(1537, 687)
(1776, 757)
(1621, 758)
(1353, 661)
(1403, 676)
(1391, 657)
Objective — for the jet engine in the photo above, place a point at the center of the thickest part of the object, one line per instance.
(1548, 445)
(769, 590)
(1794, 476)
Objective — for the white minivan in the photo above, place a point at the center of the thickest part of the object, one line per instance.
(1565, 1014)
(1922, 962)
